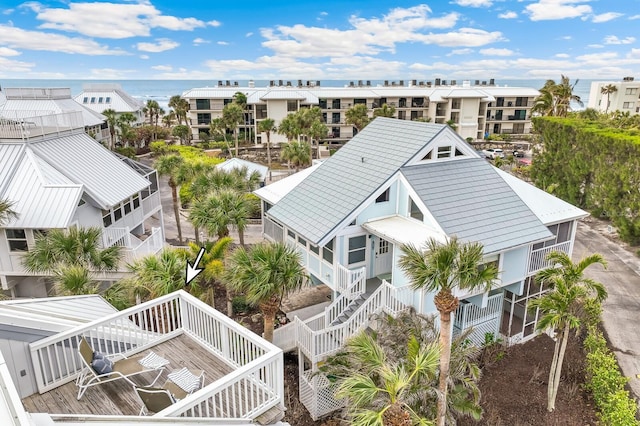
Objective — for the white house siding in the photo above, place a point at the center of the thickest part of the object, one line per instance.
(514, 264)
(277, 110)
(20, 367)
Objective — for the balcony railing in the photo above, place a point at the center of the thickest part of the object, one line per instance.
(258, 378)
(538, 258)
(16, 124)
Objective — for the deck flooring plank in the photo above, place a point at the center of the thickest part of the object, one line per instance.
(119, 398)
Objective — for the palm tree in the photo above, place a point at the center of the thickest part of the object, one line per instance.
(440, 269)
(608, 90)
(559, 308)
(6, 212)
(289, 126)
(153, 111)
(74, 247)
(170, 165)
(212, 263)
(267, 126)
(158, 275)
(112, 122)
(317, 131)
(382, 390)
(124, 123)
(564, 94)
(297, 153)
(385, 111)
(220, 210)
(168, 119)
(180, 106)
(544, 104)
(233, 115)
(266, 273)
(357, 116)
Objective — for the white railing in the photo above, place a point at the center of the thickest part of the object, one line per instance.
(469, 315)
(322, 343)
(538, 258)
(116, 237)
(11, 409)
(151, 245)
(273, 230)
(357, 285)
(256, 384)
(150, 204)
(17, 124)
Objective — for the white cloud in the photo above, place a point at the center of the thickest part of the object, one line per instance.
(144, 56)
(496, 52)
(508, 15)
(473, 3)
(162, 67)
(615, 40)
(214, 23)
(37, 40)
(111, 20)
(222, 43)
(460, 52)
(634, 17)
(595, 46)
(567, 37)
(198, 41)
(161, 45)
(605, 17)
(14, 66)
(8, 11)
(110, 74)
(545, 10)
(561, 55)
(5, 51)
(249, 34)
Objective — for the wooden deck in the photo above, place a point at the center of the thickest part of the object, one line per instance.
(118, 397)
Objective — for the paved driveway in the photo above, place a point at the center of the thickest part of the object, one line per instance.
(622, 308)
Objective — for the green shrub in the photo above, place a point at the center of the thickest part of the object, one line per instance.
(127, 151)
(159, 148)
(240, 304)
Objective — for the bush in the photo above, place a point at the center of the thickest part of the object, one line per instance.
(159, 148)
(240, 304)
(127, 151)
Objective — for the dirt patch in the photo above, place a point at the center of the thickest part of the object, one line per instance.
(514, 387)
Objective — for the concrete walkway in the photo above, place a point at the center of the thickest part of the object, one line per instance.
(621, 310)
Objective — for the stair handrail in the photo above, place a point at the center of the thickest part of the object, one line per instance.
(357, 285)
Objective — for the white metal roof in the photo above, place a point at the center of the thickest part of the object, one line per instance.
(403, 230)
(215, 92)
(274, 192)
(548, 208)
(238, 163)
(39, 204)
(10, 155)
(347, 92)
(54, 313)
(51, 106)
(84, 161)
(283, 94)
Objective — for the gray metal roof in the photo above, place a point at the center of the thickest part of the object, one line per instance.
(84, 161)
(469, 199)
(332, 192)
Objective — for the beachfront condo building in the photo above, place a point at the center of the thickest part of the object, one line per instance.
(475, 109)
(625, 97)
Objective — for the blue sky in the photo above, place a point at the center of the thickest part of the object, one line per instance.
(455, 39)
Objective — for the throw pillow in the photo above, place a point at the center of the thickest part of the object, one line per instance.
(101, 364)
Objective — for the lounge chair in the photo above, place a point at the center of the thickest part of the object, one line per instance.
(179, 385)
(123, 368)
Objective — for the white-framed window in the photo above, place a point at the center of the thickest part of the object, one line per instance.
(357, 249)
(17, 240)
(117, 212)
(444, 151)
(414, 211)
(314, 249)
(136, 201)
(631, 91)
(327, 252)
(106, 218)
(384, 197)
(628, 105)
(302, 241)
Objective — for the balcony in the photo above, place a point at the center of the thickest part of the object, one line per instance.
(133, 247)
(29, 125)
(243, 372)
(538, 258)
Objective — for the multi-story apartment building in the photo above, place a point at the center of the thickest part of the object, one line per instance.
(626, 98)
(57, 177)
(475, 109)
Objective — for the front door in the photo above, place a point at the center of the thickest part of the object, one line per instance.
(384, 257)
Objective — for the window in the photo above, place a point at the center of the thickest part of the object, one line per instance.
(85, 100)
(93, 100)
(302, 241)
(204, 118)
(100, 99)
(292, 106)
(327, 252)
(314, 249)
(322, 103)
(291, 234)
(81, 202)
(357, 249)
(106, 218)
(383, 197)
(428, 156)
(628, 105)
(117, 213)
(136, 201)
(17, 240)
(631, 91)
(444, 151)
(335, 104)
(203, 104)
(414, 211)
(127, 208)
(107, 100)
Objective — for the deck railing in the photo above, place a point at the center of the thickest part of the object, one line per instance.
(538, 258)
(356, 285)
(113, 236)
(151, 245)
(258, 376)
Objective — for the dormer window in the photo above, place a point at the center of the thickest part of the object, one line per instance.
(107, 100)
(429, 156)
(100, 99)
(444, 151)
(85, 100)
(93, 100)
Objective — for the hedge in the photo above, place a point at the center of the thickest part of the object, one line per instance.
(604, 379)
(594, 167)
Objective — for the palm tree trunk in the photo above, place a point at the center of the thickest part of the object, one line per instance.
(235, 133)
(552, 375)
(241, 236)
(176, 209)
(269, 311)
(269, 153)
(556, 378)
(445, 358)
(197, 231)
(229, 303)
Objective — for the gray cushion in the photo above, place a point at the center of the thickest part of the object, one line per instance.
(101, 364)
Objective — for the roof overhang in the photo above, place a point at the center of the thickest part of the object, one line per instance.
(403, 230)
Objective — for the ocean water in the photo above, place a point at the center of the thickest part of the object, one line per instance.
(162, 90)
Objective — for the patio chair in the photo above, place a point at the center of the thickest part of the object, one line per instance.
(123, 368)
(179, 385)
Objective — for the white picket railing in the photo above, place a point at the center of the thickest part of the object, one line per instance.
(538, 258)
(357, 285)
(116, 237)
(151, 245)
(256, 385)
(481, 320)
